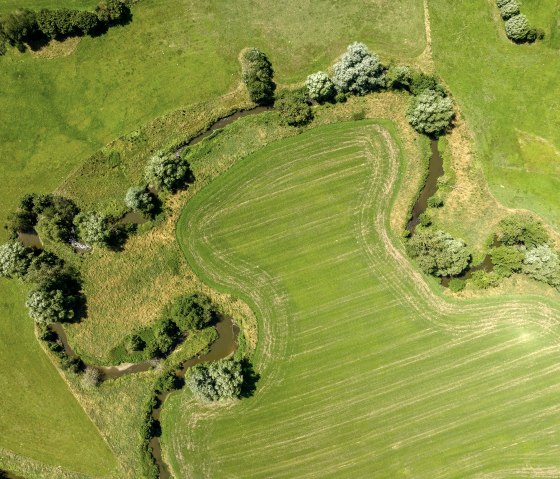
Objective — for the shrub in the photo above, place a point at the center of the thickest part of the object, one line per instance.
(425, 219)
(216, 381)
(535, 34)
(140, 199)
(456, 285)
(521, 229)
(48, 306)
(435, 202)
(293, 108)
(134, 343)
(438, 253)
(398, 77)
(15, 260)
(509, 9)
(517, 27)
(320, 87)
(430, 113)
(92, 378)
(112, 11)
(94, 228)
(542, 263)
(19, 27)
(340, 97)
(257, 74)
(501, 3)
(358, 71)
(507, 260)
(166, 336)
(168, 172)
(168, 381)
(56, 216)
(420, 82)
(191, 312)
(484, 280)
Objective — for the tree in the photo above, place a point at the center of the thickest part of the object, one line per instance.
(257, 74)
(509, 9)
(166, 336)
(542, 263)
(484, 279)
(19, 27)
(430, 113)
(438, 253)
(398, 77)
(293, 108)
(507, 260)
(168, 172)
(112, 11)
(420, 82)
(14, 260)
(358, 71)
(320, 87)
(517, 28)
(56, 216)
(85, 22)
(191, 312)
(94, 228)
(135, 343)
(217, 381)
(139, 198)
(521, 229)
(48, 306)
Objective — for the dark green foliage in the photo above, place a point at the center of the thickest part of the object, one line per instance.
(64, 23)
(521, 229)
(435, 202)
(112, 12)
(535, 34)
(257, 74)
(507, 260)
(438, 253)
(135, 343)
(420, 82)
(484, 280)
(456, 285)
(216, 381)
(166, 337)
(19, 27)
(340, 97)
(191, 312)
(168, 172)
(398, 77)
(294, 109)
(168, 381)
(425, 219)
(56, 216)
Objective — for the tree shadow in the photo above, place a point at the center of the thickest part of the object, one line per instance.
(250, 379)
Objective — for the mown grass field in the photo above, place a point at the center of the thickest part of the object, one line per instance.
(366, 372)
(41, 419)
(508, 97)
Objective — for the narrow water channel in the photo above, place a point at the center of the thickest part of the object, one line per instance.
(435, 170)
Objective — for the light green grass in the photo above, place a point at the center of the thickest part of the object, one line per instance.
(508, 97)
(41, 419)
(366, 372)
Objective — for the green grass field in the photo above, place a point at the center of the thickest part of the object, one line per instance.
(41, 419)
(366, 372)
(507, 95)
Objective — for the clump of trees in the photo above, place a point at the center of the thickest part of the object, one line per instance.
(320, 87)
(294, 109)
(541, 263)
(218, 381)
(516, 24)
(430, 113)
(15, 260)
(139, 198)
(507, 260)
(24, 26)
(191, 312)
(257, 74)
(438, 253)
(168, 172)
(521, 230)
(359, 71)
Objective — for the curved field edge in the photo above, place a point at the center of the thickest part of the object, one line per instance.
(435, 382)
(44, 405)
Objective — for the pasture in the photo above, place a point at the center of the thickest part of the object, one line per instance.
(366, 371)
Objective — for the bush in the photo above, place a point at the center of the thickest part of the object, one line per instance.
(521, 229)
(456, 285)
(56, 216)
(191, 312)
(140, 199)
(484, 280)
(420, 82)
(501, 3)
(509, 9)
(15, 260)
(216, 381)
(425, 219)
(507, 260)
(438, 253)
(398, 78)
(340, 97)
(541, 263)
(435, 202)
(168, 172)
(135, 343)
(63, 22)
(166, 336)
(112, 12)
(257, 74)
(92, 378)
(358, 71)
(48, 306)
(320, 87)
(19, 27)
(293, 108)
(430, 113)
(517, 28)
(94, 228)
(535, 34)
